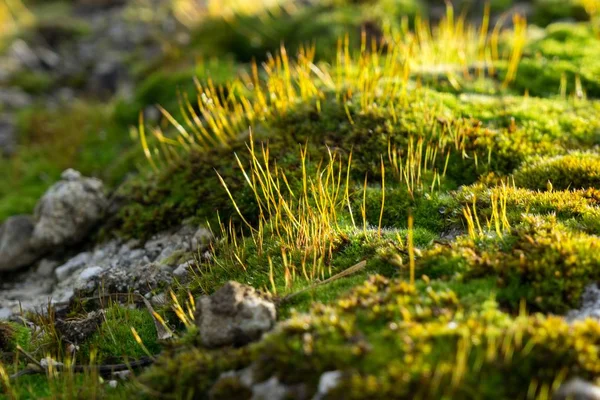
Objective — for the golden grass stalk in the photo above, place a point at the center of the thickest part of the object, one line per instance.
(372, 78)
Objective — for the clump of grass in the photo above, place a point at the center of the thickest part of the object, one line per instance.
(114, 339)
(306, 220)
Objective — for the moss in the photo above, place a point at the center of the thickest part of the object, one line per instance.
(248, 37)
(547, 62)
(541, 261)
(230, 387)
(387, 331)
(164, 86)
(32, 82)
(571, 171)
(6, 336)
(191, 372)
(576, 205)
(547, 11)
(114, 340)
(12, 334)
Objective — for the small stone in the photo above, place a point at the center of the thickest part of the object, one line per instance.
(183, 269)
(159, 300)
(45, 268)
(122, 375)
(5, 313)
(327, 382)
(70, 175)
(78, 330)
(49, 361)
(74, 264)
(270, 389)
(86, 279)
(234, 315)
(201, 240)
(577, 389)
(67, 211)
(16, 249)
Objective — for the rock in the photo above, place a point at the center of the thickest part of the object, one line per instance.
(201, 240)
(77, 330)
(16, 249)
(14, 98)
(5, 313)
(590, 305)
(183, 269)
(68, 210)
(45, 268)
(242, 384)
(21, 51)
(577, 389)
(234, 315)
(327, 382)
(87, 275)
(74, 264)
(113, 266)
(270, 389)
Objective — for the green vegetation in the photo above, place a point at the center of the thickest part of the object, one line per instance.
(452, 168)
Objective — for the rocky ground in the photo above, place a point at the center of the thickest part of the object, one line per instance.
(200, 204)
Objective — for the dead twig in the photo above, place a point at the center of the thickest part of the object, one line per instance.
(349, 271)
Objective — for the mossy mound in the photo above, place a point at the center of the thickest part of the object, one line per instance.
(540, 261)
(572, 171)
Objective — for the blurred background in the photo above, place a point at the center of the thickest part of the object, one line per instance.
(74, 75)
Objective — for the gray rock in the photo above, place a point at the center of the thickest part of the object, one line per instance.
(68, 210)
(74, 264)
(183, 269)
(113, 266)
(270, 389)
(5, 313)
(577, 389)
(14, 98)
(21, 51)
(16, 249)
(327, 382)
(234, 315)
(590, 305)
(201, 240)
(45, 268)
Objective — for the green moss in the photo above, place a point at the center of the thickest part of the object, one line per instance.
(191, 372)
(248, 37)
(114, 339)
(13, 335)
(547, 11)
(572, 171)
(541, 261)
(32, 82)
(577, 205)
(384, 332)
(547, 61)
